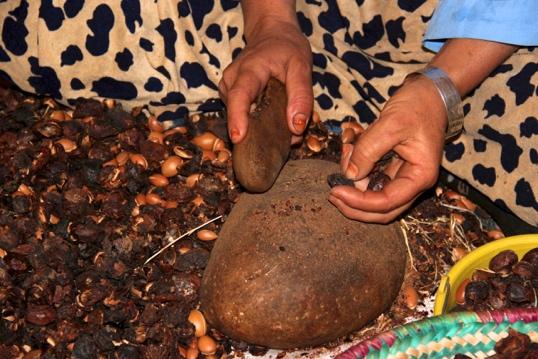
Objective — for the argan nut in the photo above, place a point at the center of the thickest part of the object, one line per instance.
(458, 218)
(158, 180)
(205, 141)
(348, 135)
(169, 204)
(122, 158)
(197, 319)
(206, 235)
(57, 115)
(458, 253)
(208, 155)
(140, 199)
(313, 144)
(192, 353)
(183, 153)
(223, 156)
(67, 144)
(174, 130)
(153, 199)
(156, 137)
(495, 234)
(451, 195)
(154, 125)
(139, 160)
(192, 180)
(207, 345)
(170, 166)
(109, 103)
(411, 297)
(25, 190)
(218, 145)
(459, 296)
(468, 203)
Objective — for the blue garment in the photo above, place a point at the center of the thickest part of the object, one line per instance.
(508, 21)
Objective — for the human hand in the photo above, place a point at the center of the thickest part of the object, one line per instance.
(412, 124)
(274, 48)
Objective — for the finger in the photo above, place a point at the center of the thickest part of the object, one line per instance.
(300, 95)
(241, 95)
(372, 144)
(372, 217)
(395, 194)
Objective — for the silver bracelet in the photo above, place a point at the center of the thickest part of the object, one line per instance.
(450, 96)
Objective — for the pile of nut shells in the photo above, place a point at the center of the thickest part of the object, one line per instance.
(506, 283)
(89, 194)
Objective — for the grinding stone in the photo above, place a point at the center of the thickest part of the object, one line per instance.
(289, 270)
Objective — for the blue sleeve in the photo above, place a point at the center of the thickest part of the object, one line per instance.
(508, 21)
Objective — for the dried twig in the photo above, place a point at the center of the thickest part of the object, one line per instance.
(181, 236)
(404, 228)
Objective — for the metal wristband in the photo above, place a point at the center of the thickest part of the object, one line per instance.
(450, 96)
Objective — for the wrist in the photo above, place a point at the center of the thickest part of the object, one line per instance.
(448, 94)
(260, 16)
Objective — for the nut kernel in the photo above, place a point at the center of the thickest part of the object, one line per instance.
(197, 319)
(207, 345)
(206, 235)
(158, 180)
(170, 166)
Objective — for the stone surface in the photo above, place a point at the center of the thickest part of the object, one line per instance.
(288, 270)
(258, 159)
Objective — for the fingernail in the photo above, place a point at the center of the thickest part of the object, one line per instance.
(234, 134)
(352, 171)
(299, 122)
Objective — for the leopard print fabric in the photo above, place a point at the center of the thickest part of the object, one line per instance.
(170, 54)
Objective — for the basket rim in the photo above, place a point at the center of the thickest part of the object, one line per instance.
(427, 326)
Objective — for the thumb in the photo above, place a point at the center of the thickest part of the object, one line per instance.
(371, 145)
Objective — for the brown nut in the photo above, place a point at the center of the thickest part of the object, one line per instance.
(153, 199)
(140, 199)
(223, 156)
(208, 155)
(192, 180)
(183, 153)
(459, 296)
(411, 297)
(57, 115)
(458, 218)
(139, 160)
(458, 253)
(451, 195)
(206, 235)
(158, 180)
(348, 135)
(205, 141)
(154, 125)
(495, 234)
(67, 144)
(207, 345)
(313, 144)
(25, 190)
(218, 145)
(109, 103)
(122, 158)
(467, 203)
(170, 166)
(156, 137)
(169, 204)
(197, 319)
(181, 130)
(192, 353)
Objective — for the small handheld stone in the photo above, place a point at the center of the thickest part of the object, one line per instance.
(338, 179)
(378, 180)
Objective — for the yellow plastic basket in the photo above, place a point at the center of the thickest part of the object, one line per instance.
(478, 258)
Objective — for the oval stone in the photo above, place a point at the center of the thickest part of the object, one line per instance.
(289, 270)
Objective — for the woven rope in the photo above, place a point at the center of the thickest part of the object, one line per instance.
(470, 333)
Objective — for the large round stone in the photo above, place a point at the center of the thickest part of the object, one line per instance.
(289, 270)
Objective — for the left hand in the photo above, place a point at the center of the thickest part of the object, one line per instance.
(412, 124)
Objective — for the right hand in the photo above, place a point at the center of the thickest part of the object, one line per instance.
(274, 48)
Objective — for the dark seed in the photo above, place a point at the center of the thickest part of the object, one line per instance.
(503, 261)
